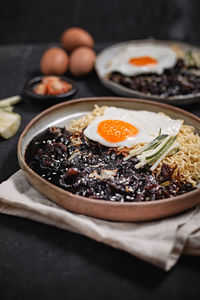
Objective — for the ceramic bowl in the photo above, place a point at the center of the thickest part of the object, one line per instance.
(48, 99)
(104, 57)
(61, 115)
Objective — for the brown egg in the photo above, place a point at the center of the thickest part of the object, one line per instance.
(81, 61)
(54, 61)
(76, 37)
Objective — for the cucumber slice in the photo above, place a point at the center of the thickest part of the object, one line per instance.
(151, 154)
(153, 144)
(162, 151)
(156, 142)
(174, 150)
(9, 124)
(156, 163)
(7, 108)
(157, 154)
(10, 101)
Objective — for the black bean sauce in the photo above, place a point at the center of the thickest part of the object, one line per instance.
(179, 80)
(86, 168)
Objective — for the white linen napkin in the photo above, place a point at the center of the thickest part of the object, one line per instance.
(158, 242)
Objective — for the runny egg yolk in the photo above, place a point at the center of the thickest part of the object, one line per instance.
(143, 61)
(115, 131)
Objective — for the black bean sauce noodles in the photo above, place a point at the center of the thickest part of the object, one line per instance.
(179, 80)
(83, 167)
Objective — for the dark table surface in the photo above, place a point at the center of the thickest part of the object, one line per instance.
(41, 262)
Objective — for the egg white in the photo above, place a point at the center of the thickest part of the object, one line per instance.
(148, 124)
(165, 56)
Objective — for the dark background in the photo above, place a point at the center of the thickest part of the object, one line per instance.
(42, 262)
(107, 20)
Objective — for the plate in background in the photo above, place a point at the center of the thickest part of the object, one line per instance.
(108, 53)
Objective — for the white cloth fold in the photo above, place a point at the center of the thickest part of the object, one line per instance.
(158, 242)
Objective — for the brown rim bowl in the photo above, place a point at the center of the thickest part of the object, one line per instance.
(62, 114)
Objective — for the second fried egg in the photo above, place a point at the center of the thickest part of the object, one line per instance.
(142, 59)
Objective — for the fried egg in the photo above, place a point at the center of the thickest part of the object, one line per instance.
(119, 127)
(142, 59)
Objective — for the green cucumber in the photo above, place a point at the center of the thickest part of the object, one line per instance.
(156, 142)
(156, 163)
(153, 144)
(161, 152)
(173, 151)
(9, 124)
(153, 160)
(7, 108)
(153, 152)
(10, 101)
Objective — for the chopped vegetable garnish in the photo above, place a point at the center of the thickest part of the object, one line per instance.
(9, 124)
(7, 108)
(9, 101)
(155, 151)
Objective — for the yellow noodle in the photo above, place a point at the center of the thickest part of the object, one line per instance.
(186, 162)
(80, 124)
